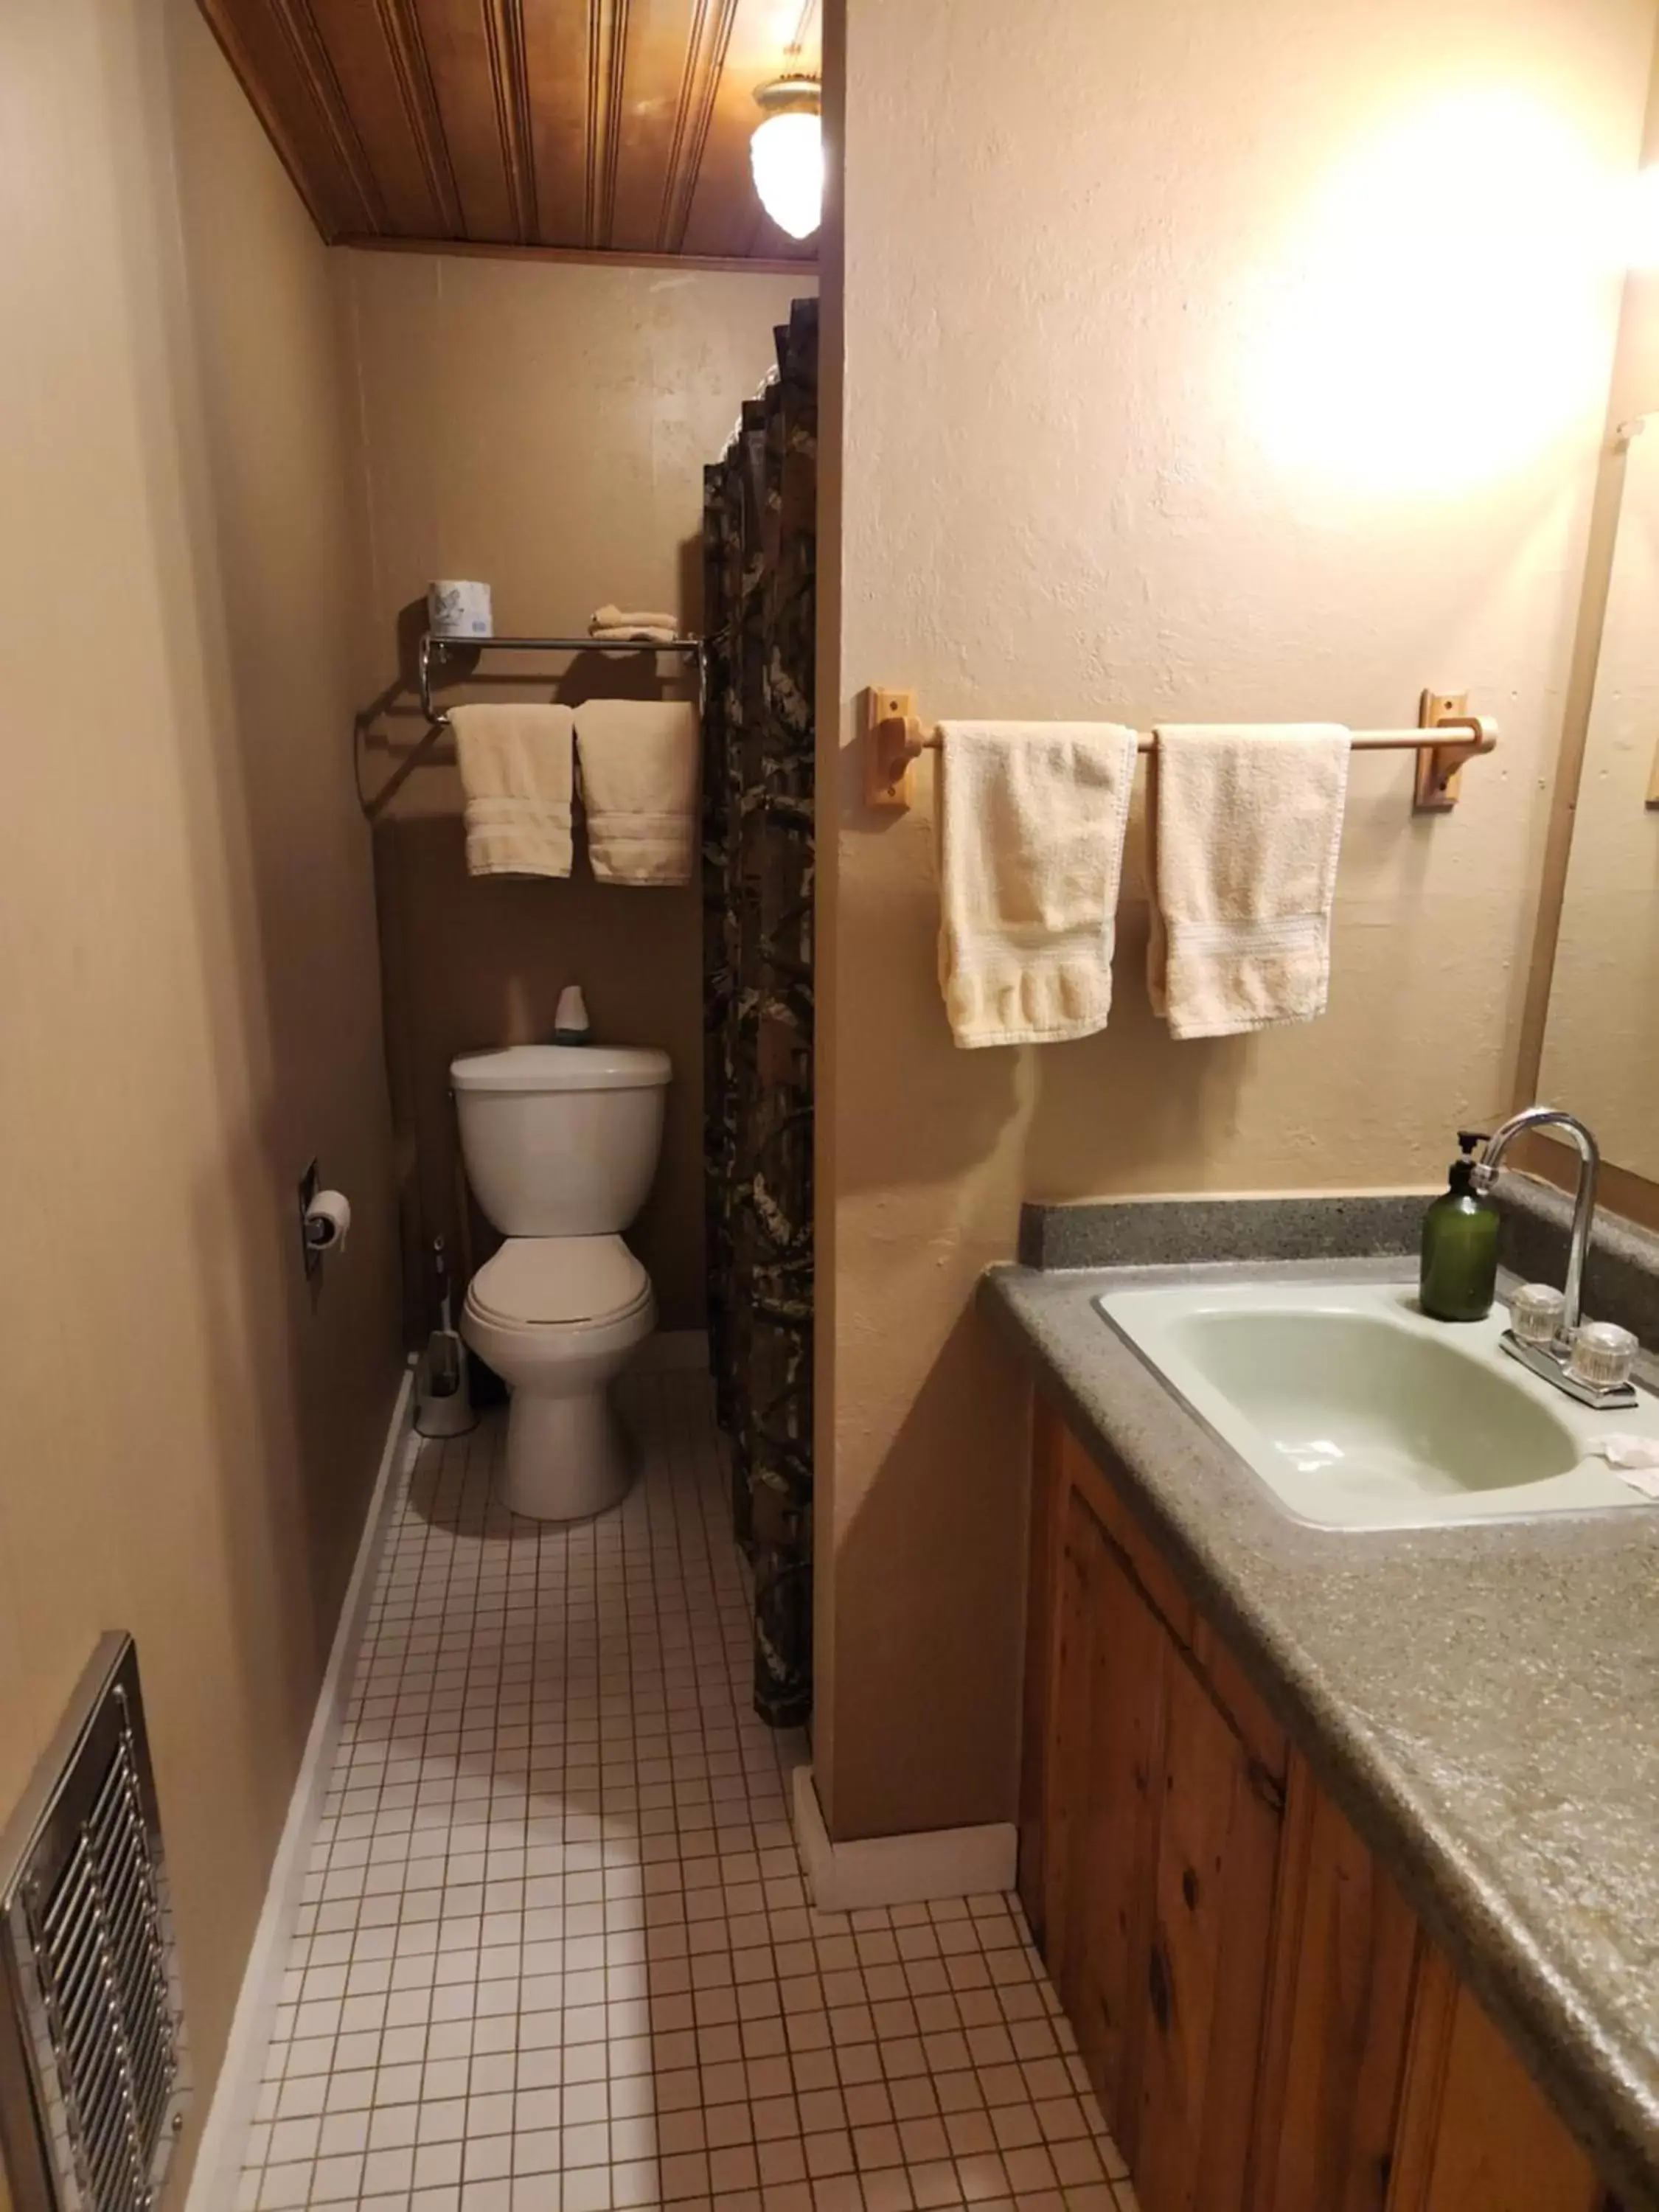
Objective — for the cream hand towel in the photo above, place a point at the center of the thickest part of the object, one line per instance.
(639, 769)
(639, 634)
(609, 620)
(515, 763)
(1245, 823)
(1029, 819)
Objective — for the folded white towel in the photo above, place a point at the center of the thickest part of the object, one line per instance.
(1246, 824)
(639, 767)
(611, 619)
(1029, 819)
(641, 632)
(515, 763)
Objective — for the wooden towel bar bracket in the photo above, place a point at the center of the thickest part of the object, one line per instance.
(894, 739)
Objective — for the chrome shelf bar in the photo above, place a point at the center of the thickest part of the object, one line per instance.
(430, 646)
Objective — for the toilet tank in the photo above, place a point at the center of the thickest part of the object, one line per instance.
(560, 1141)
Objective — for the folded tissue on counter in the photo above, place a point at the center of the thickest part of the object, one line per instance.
(1637, 1458)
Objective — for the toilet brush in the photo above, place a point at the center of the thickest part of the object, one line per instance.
(444, 1395)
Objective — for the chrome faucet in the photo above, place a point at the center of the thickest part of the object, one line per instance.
(1584, 1206)
(1550, 1361)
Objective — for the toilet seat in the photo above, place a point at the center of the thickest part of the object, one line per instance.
(559, 1282)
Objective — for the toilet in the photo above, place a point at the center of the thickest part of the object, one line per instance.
(561, 1143)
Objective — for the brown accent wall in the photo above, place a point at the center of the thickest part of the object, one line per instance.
(188, 987)
(543, 426)
(1137, 423)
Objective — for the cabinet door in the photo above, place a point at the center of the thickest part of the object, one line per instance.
(1114, 1869)
(1345, 1954)
(1074, 1628)
(1475, 2129)
(1050, 1446)
(1111, 1676)
(1219, 1827)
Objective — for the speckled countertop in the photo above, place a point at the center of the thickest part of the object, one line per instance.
(1482, 1702)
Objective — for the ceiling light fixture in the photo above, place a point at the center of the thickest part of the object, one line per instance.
(786, 153)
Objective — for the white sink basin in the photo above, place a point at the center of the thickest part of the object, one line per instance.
(1358, 1412)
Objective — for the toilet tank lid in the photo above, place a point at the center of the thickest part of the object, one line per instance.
(563, 1067)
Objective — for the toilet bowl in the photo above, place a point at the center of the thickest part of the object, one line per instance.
(557, 1318)
(561, 1143)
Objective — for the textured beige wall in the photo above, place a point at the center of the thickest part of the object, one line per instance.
(1225, 362)
(188, 992)
(1636, 364)
(543, 425)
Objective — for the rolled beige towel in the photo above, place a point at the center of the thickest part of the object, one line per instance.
(612, 620)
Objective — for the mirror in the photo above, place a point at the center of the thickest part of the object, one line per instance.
(1601, 1057)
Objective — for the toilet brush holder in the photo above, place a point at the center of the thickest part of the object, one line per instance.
(443, 1388)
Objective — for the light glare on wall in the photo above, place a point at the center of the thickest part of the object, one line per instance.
(1438, 315)
(1643, 242)
(787, 155)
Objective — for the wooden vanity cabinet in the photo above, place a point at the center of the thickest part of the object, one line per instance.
(1266, 2025)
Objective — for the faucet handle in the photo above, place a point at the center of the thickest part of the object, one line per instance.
(1535, 1311)
(1602, 1355)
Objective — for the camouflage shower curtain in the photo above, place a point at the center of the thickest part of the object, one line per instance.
(760, 503)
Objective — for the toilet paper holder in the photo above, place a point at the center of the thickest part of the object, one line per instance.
(324, 1219)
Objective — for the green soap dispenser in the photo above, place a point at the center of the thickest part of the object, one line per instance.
(1460, 1244)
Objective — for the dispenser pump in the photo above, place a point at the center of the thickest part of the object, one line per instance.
(570, 1022)
(1460, 1177)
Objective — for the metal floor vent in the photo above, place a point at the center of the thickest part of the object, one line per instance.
(92, 2071)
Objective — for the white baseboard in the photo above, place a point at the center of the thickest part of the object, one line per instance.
(918, 1868)
(224, 2133)
(673, 1350)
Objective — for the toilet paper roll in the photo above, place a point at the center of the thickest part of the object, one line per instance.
(455, 608)
(328, 1217)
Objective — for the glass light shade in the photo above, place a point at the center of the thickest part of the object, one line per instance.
(787, 152)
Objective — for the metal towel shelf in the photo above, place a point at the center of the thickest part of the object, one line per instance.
(431, 646)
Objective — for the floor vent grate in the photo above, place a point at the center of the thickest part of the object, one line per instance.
(91, 2067)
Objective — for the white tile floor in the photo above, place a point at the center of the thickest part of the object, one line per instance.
(555, 1955)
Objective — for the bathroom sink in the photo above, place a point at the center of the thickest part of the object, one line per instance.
(1358, 1412)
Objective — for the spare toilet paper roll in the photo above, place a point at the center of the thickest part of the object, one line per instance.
(455, 608)
(328, 1217)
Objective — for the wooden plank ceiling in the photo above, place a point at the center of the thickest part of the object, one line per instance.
(604, 125)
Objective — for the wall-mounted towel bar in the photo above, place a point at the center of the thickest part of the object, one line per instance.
(432, 647)
(894, 739)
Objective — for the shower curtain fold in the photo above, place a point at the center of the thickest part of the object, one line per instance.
(760, 604)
